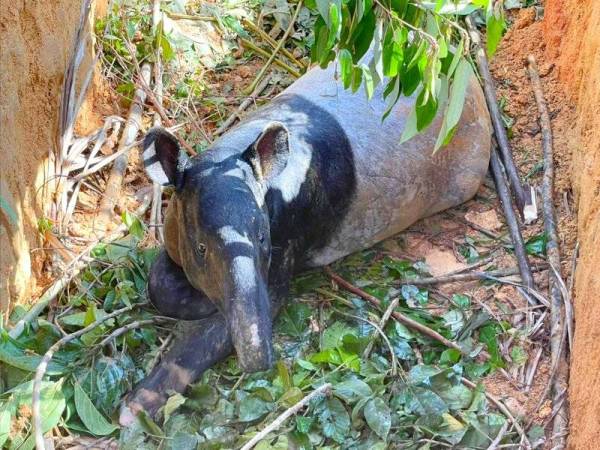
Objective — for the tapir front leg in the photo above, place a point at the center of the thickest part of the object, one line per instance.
(198, 345)
(172, 294)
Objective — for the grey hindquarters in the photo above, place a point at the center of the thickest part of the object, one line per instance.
(398, 184)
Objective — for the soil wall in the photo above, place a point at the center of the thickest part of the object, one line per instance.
(35, 42)
(572, 32)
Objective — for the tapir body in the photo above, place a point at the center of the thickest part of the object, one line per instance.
(313, 176)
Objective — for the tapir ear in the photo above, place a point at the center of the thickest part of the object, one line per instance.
(268, 155)
(163, 158)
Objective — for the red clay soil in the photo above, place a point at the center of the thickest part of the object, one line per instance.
(567, 46)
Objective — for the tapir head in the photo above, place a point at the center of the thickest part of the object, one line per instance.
(217, 229)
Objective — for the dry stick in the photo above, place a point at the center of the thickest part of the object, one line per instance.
(134, 121)
(499, 436)
(130, 326)
(245, 104)
(557, 325)
(501, 136)
(286, 415)
(265, 54)
(279, 46)
(41, 370)
(511, 220)
(396, 315)
(382, 323)
(272, 42)
(533, 369)
(468, 276)
(505, 411)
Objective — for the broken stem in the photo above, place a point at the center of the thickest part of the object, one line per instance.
(286, 415)
(557, 322)
(496, 116)
(405, 320)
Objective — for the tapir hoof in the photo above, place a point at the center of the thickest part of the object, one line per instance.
(172, 294)
(197, 346)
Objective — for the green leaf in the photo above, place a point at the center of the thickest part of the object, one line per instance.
(456, 102)
(345, 59)
(14, 356)
(334, 334)
(291, 396)
(410, 128)
(334, 420)
(423, 401)
(352, 390)
(303, 424)
(518, 355)
(536, 245)
(368, 81)
(378, 416)
(495, 27)
(4, 423)
(174, 402)
(461, 300)
(489, 336)
(89, 415)
(252, 408)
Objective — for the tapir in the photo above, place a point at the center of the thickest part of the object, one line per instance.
(307, 179)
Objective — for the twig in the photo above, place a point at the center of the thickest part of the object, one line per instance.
(244, 105)
(382, 324)
(160, 351)
(272, 42)
(281, 43)
(557, 324)
(499, 130)
(525, 441)
(41, 370)
(265, 54)
(470, 276)
(130, 326)
(190, 17)
(134, 122)
(533, 369)
(499, 436)
(511, 220)
(423, 329)
(286, 415)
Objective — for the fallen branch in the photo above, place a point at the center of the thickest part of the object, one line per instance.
(265, 54)
(272, 42)
(521, 196)
(498, 404)
(470, 276)
(511, 220)
(382, 323)
(557, 323)
(41, 370)
(496, 442)
(279, 46)
(423, 329)
(130, 326)
(244, 105)
(132, 126)
(286, 415)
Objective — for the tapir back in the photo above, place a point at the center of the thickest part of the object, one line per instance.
(397, 183)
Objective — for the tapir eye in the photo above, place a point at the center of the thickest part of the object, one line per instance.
(201, 249)
(261, 238)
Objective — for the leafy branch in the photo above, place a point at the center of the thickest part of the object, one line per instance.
(416, 48)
